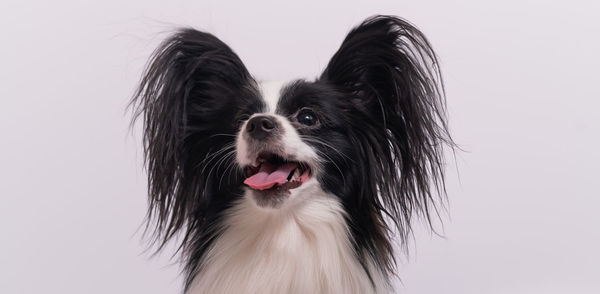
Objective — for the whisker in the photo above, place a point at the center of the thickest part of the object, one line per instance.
(232, 168)
(315, 140)
(225, 135)
(227, 158)
(211, 170)
(212, 156)
(336, 166)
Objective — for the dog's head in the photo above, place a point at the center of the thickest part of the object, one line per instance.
(369, 131)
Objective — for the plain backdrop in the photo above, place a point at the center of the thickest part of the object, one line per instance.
(523, 94)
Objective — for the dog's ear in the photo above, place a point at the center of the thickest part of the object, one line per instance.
(390, 76)
(187, 98)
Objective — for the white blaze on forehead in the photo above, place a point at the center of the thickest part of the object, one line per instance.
(271, 91)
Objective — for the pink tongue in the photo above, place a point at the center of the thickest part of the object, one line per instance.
(269, 175)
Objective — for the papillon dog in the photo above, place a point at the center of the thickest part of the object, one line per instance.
(297, 187)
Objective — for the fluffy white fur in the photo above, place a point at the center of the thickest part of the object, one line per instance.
(304, 248)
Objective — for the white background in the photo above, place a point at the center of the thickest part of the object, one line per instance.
(522, 82)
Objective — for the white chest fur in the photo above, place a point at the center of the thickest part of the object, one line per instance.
(301, 250)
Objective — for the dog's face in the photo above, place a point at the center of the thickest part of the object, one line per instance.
(275, 158)
(296, 143)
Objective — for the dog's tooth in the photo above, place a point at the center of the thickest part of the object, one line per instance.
(297, 173)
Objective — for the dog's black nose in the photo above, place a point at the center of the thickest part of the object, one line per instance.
(260, 127)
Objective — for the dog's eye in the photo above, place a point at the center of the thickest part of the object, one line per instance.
(306, 117)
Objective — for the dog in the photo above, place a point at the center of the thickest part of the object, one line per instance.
(296, 187)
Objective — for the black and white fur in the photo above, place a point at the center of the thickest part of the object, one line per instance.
(370, 130)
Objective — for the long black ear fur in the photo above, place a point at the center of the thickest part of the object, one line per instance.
(192, 93)
(388, 70)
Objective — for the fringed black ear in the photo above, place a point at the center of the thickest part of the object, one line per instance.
(390, 75)
(194, 90)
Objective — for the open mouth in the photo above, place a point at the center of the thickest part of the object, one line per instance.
(273, 172)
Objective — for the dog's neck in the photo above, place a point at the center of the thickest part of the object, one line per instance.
(304, 249)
